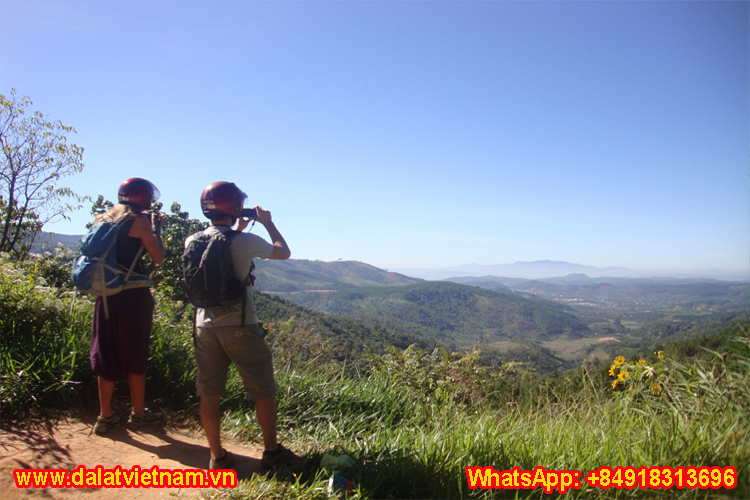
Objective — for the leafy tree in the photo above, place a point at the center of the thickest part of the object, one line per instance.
(35, 156)
(168, 276)
(100, 206)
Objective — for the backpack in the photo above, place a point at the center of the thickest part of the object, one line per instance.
(95, 268)
(208, 273)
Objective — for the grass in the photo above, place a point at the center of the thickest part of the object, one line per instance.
(406, 447)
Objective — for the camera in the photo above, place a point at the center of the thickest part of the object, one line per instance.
(154, 217)
(249, 213)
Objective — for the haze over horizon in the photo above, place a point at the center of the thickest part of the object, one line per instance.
(556, 269)
(415, 135)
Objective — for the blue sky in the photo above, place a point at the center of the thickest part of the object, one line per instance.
(415, 134)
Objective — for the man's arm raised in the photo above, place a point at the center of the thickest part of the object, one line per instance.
(280, 248)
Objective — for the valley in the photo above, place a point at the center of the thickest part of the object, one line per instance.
(553, 324)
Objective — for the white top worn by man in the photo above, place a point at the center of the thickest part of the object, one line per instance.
(221, 340)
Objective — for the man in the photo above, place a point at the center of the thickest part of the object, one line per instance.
(220, 338)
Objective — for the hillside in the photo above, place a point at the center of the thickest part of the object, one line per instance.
(304, 275)
(449, 312)
(46, 242)
(348, 338)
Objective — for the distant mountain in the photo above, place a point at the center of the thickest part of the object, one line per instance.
(449, 313)
(551, 269)
(46, 242)
(305, 275)
(627, 293)
(529, 270)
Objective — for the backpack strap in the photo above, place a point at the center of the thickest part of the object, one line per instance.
(104, 257)
(248, 279)
(121, 224)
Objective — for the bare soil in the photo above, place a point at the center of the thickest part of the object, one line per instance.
(52, 443)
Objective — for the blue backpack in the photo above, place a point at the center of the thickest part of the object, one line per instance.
(95, 268)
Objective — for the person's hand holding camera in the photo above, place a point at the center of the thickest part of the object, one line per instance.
(158, 220)
(262, 216)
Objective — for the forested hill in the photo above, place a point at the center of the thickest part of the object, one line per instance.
(301, 275)
(349, 338)
(449, 312)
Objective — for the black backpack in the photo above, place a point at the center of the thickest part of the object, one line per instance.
(208, 273)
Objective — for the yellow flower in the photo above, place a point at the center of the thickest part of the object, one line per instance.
(614, 384)
(656, 389)
(612, 371)
(641, 362)
(622, 375)
(619, 360)
(660, 354)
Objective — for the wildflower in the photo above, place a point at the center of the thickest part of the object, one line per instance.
(619, 361)
(614, 384)
(622, 375)
(656, 390)
(612, 370)
(641, 362)
(660, 354)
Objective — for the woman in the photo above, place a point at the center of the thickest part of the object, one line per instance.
(119, 345)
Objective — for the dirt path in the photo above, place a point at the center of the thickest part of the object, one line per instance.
(47, 444)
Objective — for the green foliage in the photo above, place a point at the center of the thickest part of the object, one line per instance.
(531, 353)
(43, 340)
(298, 344)
(171, 371)
(168, 275)
(99, 207)
(54, 268)
(35, 156)
(446, 377)
(349, 339)
(449, 313)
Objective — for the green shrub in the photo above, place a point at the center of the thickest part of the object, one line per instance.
(44, 341)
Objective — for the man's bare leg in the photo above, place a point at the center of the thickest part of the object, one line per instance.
(266, 411)
(211, 420)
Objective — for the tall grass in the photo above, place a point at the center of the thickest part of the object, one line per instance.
(43, 341)
(408, 447)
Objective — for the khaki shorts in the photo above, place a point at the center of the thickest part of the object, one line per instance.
(217, 347)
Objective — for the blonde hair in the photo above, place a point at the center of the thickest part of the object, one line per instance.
(115, 214)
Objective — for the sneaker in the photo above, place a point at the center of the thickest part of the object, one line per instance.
(282, 456)
(221, 463)
(103, 424)
(147, 418)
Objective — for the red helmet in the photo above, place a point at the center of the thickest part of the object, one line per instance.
(222, 199)
(138, 193)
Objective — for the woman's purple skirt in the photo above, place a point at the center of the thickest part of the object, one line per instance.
(119, 345)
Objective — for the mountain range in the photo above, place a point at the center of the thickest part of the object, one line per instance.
(551, 269)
